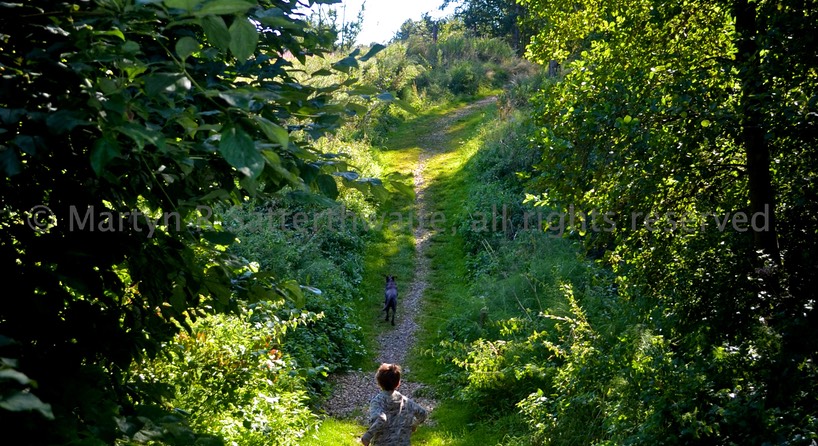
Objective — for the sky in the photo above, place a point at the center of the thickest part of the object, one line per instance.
(382, 18)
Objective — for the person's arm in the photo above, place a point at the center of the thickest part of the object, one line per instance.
(377, 420)
(419, 413)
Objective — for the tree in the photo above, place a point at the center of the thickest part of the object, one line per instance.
(693, 113)
(347, 32)
(123, 124)
(494, 18)
(426, 27)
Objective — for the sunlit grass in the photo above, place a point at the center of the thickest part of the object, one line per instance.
(391, 249)
(335, 432)
(456, 426)
(447, 291)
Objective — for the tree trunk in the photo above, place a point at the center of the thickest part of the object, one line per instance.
(761, 193)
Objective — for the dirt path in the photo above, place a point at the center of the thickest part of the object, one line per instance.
(352, 391)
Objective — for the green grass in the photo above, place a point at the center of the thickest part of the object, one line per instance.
(447, 290)
(456, 426)
(390, 250)
(334, 432)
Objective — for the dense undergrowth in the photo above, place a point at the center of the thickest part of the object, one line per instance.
(647, 313)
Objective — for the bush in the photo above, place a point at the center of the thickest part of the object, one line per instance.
(318, 253)
(464, 80)
(584, 358)
(462, 64)
(231, 378)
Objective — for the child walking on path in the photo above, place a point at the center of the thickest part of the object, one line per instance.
(392, 416)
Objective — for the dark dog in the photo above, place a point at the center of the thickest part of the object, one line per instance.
(390, 299)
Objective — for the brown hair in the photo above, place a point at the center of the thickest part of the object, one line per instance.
(388, 376)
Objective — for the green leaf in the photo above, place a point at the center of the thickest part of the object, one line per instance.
(189, 124)
(107, 86)
(114, 32)
(216, 32)
(705, 123)
(177, 299)
(5, 341)
(291, 290)
(274, 161)
(348, 176)
(281, 22)
(357, 109)
(63, 121)
(364, 90)
(14, 375)
(26, 401)
(216, 282)
(224, 7)
(105, 149)
(187, 5)
(302, 197)
(377, 190)
(11, 115)
(236, 98)
(249, 184)
(238, 149)
(386, 96)
(346, 64)
(26, 143)
(216, 195)
(406, 106)
(274, 132)
(219, 237)
(187, 46)
(130, 47)
(376, 48)
(158, 83)
(9, 161)
(401, 188)
(327, 186)
(141, 135)
(243, 39)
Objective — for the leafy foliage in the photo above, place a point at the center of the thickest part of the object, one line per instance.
(130, 121)
(494, 18)
(665, 112)
(319, 249)
(459, 65)
(686, 337)
(232, 379)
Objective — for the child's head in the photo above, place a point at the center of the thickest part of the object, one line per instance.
(388, 376)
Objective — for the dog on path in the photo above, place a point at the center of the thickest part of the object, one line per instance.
(390, 299)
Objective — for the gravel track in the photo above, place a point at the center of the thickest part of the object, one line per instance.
(352, 391)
